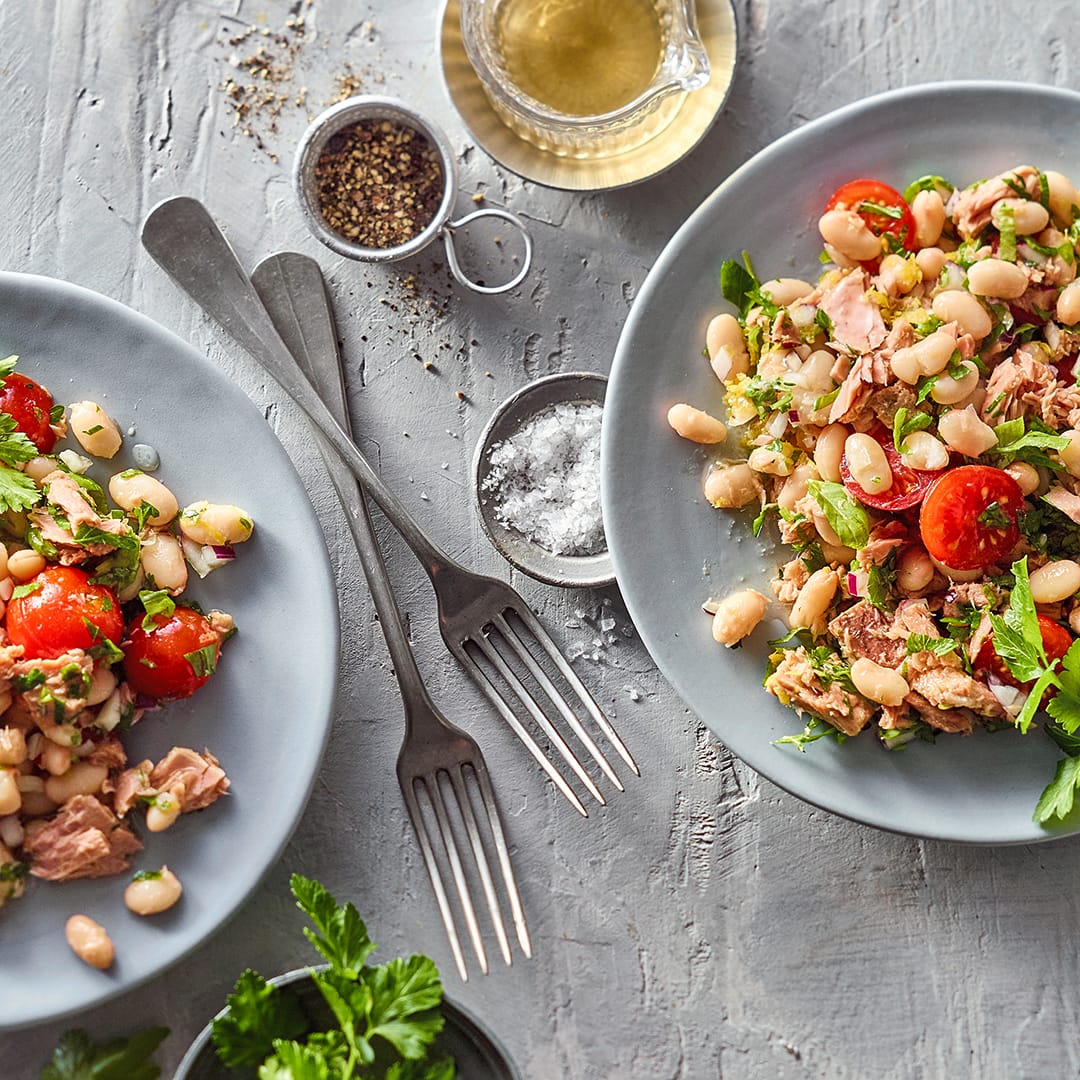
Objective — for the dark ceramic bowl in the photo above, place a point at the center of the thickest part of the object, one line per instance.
(477, 1055)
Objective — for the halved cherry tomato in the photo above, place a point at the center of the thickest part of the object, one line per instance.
(30, 404)
(909, 485)
(62, 610)
(173, 658)
(1056, 642)
(863, 195)
(959, 523)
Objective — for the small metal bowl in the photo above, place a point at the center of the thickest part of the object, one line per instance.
(372, 107)
(572, 571)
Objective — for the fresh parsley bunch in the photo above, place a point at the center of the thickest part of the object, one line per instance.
(387, 1016)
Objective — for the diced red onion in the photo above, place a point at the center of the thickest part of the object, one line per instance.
(856, 582)
(777, 425)
(144, 702)
(793, 416)
(223, 552)
(1011, 698)
(202, 558)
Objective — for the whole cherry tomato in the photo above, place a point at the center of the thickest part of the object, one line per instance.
(968, 518)
(1056, 642)
(60, 609)
(30, 404)
(881, 207)
(909, 485)
(171, 657)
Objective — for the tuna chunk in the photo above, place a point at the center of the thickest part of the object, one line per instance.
(196, 779)
(63, 493)
(970, 209)
(1016, 387)
(1064, 500)
(942, 682)
(129, 786)
(863, 630)
(856, 320)
(84, 839)
(795, 684)
(61, 694)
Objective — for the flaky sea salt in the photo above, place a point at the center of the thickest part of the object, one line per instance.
(545, 479)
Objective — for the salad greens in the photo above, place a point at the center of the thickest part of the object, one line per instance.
(77, 1058)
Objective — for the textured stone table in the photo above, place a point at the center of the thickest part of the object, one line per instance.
(704, 924)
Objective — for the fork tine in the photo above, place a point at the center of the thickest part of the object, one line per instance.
(568, 673)
(420, 828)
(561, 703)
(483, 643)
(457, 780)
(431, 782)
(487, 794)
(480, 678)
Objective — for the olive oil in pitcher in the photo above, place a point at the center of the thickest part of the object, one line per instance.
(580, 57)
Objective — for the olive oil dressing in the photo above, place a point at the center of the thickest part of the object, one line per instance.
(580, 57)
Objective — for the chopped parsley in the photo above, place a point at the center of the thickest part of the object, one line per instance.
(14, 871)
(155, 602)
(917, 643)
(25, 589)
(35, 677)
(880, 579)
(995, 517)
(146, 875)
(906, 422)
(769, 395)
(203, 661)
(143, 513)
(815, 729)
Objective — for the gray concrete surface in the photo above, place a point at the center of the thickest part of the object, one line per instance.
(705, 924)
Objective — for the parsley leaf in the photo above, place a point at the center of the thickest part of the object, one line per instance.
(404, 996)
(906, 422)
(928, 183)
(739, 284)
(15, 447)
(142, 513)
(1057, 799)
(815, 729)
(1007, 229)
(848, 519)
(203, 661)
(25, 589)
(1064, 707)
(77, 1058)
(258, 1014)
(340, 933)
(880, 578)
(7, 365)
(1017, 638)
(155, 602)
(17, 490)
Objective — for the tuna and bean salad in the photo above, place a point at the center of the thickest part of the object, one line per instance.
(909, 422)
(95, 632)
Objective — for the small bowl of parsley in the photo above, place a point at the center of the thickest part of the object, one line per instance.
(345, 1018)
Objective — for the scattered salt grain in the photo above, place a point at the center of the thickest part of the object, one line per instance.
(546, 479)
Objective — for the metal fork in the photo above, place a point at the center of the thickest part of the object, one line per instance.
(484, 622)
(292, 290)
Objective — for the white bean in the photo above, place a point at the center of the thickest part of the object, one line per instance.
(880, 684)
(737, 615)
(25, 564)
(131, 488)
(996, 277)
(729, 486)
(83, 778)
(1026, 476)
(931, 261)
(923, 451)
(849, 234)
(1063, 197)
(1029, 216)
(1068, 304)
(814, 599)
(839, 258)
(690, 423)
(815, 372)
(102, 684)
(764, 460)
(726, 346)
(929, 213)
(914, 570)
(795, 486)
(94, 429)
(89, 942)
(955, 305)
(950, 390)
(786, 290)
(162, 812)
(965, 433)
(12, 833)
(12, 746)
(929, 356)
(10, 795)
(162, 560)
(35, 803)
(54, 758)
(40, 467)
(151, 895)
(1056, 581)
(828, 451)
(1070, 455)
(217, 523)
(867, 463)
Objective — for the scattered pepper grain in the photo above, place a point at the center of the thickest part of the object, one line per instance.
(379, 183)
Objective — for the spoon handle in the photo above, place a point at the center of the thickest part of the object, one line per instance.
(186, 242)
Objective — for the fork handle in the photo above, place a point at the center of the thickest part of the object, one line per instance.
(292, 290)
(186, 242)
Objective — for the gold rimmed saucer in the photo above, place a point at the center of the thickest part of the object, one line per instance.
(717, 28)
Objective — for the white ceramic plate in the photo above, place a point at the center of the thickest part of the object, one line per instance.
(266, 712)
(672, 550)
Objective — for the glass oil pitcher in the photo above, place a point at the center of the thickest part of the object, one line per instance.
(585, 78)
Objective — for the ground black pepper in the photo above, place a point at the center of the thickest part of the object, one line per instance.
(379, 183)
